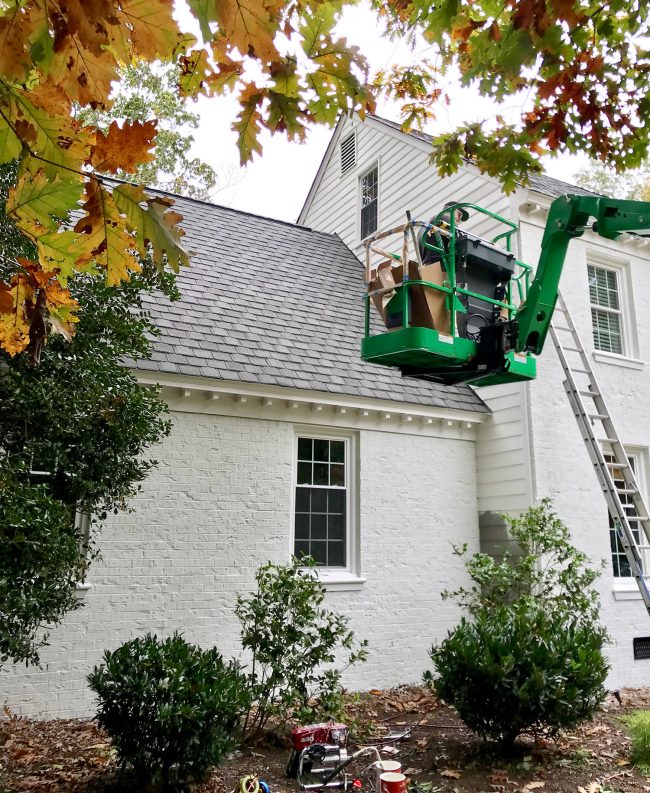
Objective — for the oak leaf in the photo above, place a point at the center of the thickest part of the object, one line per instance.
(35, 197)
(250, 27)
(104, 238)
(14, 326)
(249, 122)
(123, 148)
(16, 26)
(154, 225)
(154, 33)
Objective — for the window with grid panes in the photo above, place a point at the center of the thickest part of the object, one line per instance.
(606, 318)
(369, 198)
(620, 564)
(321, 500)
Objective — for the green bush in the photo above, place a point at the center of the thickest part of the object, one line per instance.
(517, 669)
(639, 725)
(529, 656)
(170, 708)
(291, 637)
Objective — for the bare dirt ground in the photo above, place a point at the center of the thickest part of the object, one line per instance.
(438, 754)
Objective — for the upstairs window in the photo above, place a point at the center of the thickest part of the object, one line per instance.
(348, 153)
(369, 201)
(322, 500)
(606, 315)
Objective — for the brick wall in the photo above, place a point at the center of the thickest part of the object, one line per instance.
(219, 505)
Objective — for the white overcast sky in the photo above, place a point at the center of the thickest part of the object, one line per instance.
(276, 184)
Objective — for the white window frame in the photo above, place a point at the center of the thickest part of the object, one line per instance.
(347, 577)
(352, 167)
(629, 346)
(362, 176)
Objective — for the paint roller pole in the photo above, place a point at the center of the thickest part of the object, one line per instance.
(418, 256)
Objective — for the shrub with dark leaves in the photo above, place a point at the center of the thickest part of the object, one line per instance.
(170, 708)
(529, 658)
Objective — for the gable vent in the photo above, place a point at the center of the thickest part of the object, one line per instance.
(348, 153)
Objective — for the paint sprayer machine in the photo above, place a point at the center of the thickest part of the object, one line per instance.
(319, 757)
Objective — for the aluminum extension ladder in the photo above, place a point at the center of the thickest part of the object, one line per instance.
(589, 408)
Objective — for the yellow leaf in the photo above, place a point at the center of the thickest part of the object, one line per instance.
(85, 75)
(14, 327)
(249, 123)
(153, 226)
(155, 34)
(250, 27)
(41, 118)
(36, 197)
(104, 238)
(10, 143)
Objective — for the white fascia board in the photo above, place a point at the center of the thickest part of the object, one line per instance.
(345, 407)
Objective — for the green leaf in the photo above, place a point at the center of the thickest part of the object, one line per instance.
(205, 12)
(38, 197)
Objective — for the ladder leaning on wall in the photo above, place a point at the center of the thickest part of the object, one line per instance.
(590, 409)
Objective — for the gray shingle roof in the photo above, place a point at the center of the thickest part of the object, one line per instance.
(269, 302)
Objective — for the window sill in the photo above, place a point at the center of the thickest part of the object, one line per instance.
(82, 588)
(617, 360)
(625, 590)
(340, 580)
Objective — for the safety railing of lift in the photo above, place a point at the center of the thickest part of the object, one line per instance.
(447, 256)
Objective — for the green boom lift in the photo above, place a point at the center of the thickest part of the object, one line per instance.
(498, 317)
(482, 337)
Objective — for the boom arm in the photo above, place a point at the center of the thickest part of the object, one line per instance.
(568, 218)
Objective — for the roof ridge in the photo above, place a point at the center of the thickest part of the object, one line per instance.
(211, 204)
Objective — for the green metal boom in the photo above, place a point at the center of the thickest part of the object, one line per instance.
(568, 218)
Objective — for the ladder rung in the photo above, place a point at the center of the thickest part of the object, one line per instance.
(578, 369)
(617, 465)
(572, 349)
(626, 491)
(589, 393)
(599, 416)
(563, 327)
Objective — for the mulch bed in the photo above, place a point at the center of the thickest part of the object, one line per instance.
(439, 754)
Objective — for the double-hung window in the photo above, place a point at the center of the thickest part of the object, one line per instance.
(322, 499)
(369, 186)
(606, 314)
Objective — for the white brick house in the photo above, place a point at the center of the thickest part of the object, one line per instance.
(530, 446)
(284, 439)
(281, 436)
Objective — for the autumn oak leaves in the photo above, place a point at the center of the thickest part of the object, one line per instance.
(579, 69)
(56, 55)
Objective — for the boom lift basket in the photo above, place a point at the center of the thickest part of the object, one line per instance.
(450, 317)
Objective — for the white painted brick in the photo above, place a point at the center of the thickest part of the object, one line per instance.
(217, 507)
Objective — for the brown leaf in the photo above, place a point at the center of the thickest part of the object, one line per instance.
(123, 147)
(534, 785)
(449, 773)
